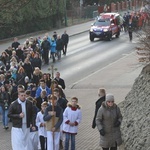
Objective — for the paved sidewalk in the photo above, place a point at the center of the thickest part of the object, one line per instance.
(117, 78)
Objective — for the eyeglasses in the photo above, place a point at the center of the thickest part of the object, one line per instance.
(110, 101)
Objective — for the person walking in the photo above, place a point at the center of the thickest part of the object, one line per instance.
(59, 80)
(15, 43)
(71, 118)
(4, 105)
(98, 103)
(42, 98)
(53, 49)
(130, 30)
(41, 126)
(53, 116)
(108, 121)
(62, 102)
(46, 48)
(65, 38)
(41, 88)
(59, 46)
(21, 113)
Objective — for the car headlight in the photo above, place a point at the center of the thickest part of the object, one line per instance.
(105, 30)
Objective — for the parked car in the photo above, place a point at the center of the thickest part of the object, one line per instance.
(105, 26)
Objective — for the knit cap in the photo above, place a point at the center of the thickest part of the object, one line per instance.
(109, 97)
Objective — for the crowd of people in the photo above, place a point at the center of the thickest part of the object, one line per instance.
(35, 51)
(36, 104)
(32, 101)
(134, 22)
(39, 108)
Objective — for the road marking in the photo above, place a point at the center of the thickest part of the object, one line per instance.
(71, 87)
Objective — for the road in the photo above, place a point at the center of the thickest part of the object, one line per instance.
(85, 57)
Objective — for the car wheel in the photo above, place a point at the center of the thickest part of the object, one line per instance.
(117, 35)
(91, 38)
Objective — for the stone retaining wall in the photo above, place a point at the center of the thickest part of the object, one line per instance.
(136, 114)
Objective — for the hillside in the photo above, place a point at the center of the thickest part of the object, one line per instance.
(136, 114)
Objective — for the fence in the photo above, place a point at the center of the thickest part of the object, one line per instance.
(82, 14)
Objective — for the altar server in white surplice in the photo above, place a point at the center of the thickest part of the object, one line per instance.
(40, 123)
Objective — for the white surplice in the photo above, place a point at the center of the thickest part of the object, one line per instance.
(19, 138)
(50, 144)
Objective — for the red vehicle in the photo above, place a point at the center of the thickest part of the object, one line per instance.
(106, 26)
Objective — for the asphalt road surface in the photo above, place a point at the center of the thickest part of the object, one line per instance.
(84, 57)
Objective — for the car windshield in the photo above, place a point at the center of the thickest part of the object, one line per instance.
(102, 23)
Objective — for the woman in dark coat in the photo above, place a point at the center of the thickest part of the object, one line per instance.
(98, 103)
(4, 105)
(28, 68)
(4, 58)
(36, 61)
(20, 76)
(37, 75)
(108, 121)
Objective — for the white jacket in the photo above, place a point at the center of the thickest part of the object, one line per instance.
(73, 116)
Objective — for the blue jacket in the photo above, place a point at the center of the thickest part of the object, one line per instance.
(39, 89)
(53, 46)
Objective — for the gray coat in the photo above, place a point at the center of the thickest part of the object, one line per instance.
(105, 119)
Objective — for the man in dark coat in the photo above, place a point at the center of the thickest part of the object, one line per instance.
(14, 93)
(23, 116)
(98, 103)
(20, 53)
(36, 61)
(59, 46)
(15, 44)
(130, 30)
(59, 80)
(65, 39)
(46, 48)
(42, 98)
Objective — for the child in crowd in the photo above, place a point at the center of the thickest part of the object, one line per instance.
(41, 126)
(53, 116)
(71, 118)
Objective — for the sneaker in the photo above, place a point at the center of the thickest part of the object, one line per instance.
(6, 128)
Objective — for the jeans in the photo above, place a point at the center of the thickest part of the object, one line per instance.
(67, 139)
(59, 54)
(53, 56)
(4, 114)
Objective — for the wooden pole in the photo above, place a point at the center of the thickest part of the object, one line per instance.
(53, 108)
